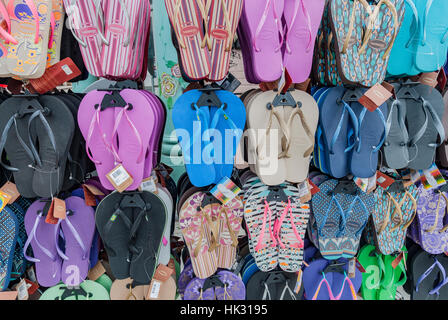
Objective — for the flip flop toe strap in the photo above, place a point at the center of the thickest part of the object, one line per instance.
(32, 236)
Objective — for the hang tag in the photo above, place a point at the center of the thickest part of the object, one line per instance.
(389, 87)
(4, 200)
(32, 286)
(314, 189)
(429, 78)
(371, 186)
(441, 80)
(22, 290)
(11, 190)
(362, 183)
(49, 218)
(384, 180)
(148, 184)
(163, 273)
(120, 178)
(298, 281)
(225, 191)
(360, 267)
(89, 198)
(97, 271)
(230, 83)
(397, 260)
(352, 268)
(172, 265)
(154, 289)
(8, 295)
(432, 178)
(58, 208)
(285, 81)
(375, 97)
(94, 190)
(304, 192)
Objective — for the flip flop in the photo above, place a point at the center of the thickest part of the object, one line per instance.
(78, 228)
(9, 227)
(275, 285)
(89, 290)
(56, 27)
(192, 123)
(372, 279)
(88, 30)
(42, 238)
(126, 289)
(221, 28)
(302, 20)
(397, 278)
(423, 117)
(28, 58)
(371, 136)
(186, 19)
(195, 290)
(196, 226)
(233, 289)
(165, 251)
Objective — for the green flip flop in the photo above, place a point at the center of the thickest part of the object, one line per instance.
(105, 281)
(88, 290)
(394, 278)
(372, 279)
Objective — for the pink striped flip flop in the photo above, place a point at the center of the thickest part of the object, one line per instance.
(187, 21)
(223, 20)
(88, 31)
(303, 20)
(121, 23)
(134, 126)
(97, 127)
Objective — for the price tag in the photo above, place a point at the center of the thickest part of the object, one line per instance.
(10, 189)
(375, 97)
(225, 190)
(148, 184)
(120, 178)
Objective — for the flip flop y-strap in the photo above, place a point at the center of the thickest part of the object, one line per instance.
(73, 14)
(416, 20)
(300, 3)
(4, 137)
(220, 114)
(422, 277)
(228, 24)
(96, 121)
(351, 27)
(383, 136)
(298, 112)
(262, 22)
(323, 281)
(124, 112)
(341, 212)
(287, 210)
(287, 289)
(425, 22)
(6, 34)
(401, 121)
(177, 12)
(366, 214)
(32, 236)
(211, 236)
(118, 213)
(413, 209)
(273, 113)
(352, 288)
(347, 110)
(437, 123)
(229, 227)
(371, 26)
(260, 241)
(50, 133)
(389, 214)
(84, 247)
(420, 133)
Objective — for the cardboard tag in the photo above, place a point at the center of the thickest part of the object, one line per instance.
(32, 286)
(148, 184)
(371, 186)
(94, 190)
(298, 281)
(429, 78)
(225, 190)
(397, 260)
(314, 189)
(285, 81)
(89, 198)
(22, 290)
(432, 178)
(304, 192)
(352, 268)
(8, 295)
(163, 273)
(374, 97)
(389, 87)
(362, 183)
(59, 210)
(384, 180)
(54, 76)
(119, 178)
(11, 190)
(154, 289)
(97, 271)
(4, 200)
(360, 267)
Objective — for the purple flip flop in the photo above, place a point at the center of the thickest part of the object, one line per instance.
(185, 277)
(194, 291)
(41, 237)
(78, 229)
(234, 288)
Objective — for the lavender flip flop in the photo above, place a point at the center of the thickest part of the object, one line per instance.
(185, 277)
(233, 289)
(41, 237)
(195, 291)
(78, 229)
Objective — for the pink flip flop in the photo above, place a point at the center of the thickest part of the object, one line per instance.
(134, 126)
(223, 21)
(88, 31)
(302, 19)
(97, 127)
